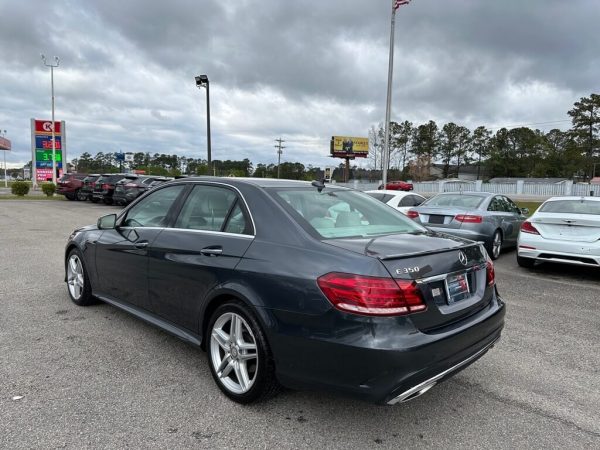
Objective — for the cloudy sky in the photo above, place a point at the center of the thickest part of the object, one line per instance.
(302, 70)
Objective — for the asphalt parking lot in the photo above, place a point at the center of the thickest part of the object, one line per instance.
(74, 377)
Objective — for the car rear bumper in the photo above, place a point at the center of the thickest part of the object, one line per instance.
(559, 251)
(66, 190)
(364, 365)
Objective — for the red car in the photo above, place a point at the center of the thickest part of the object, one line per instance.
(397, 186)
(69, 184)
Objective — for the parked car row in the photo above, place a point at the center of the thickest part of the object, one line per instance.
(110, 188)
(562, 230)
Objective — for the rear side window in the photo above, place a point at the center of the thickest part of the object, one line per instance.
(212, 208)
(381, 197)
(571, 207)
(153, 210)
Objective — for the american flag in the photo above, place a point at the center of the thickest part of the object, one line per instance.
(399, 3)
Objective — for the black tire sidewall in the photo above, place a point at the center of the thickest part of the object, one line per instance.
(262, 350)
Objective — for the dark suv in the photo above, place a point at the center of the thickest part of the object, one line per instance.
(69, 185)
(85, 192)
(104, 187)
(128, 190)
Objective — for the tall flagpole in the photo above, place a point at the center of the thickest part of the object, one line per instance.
(388, 107)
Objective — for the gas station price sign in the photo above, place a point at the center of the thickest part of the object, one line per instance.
(41, 143)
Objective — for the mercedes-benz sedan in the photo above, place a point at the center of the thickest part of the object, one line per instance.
(563, 230)
(295, 284)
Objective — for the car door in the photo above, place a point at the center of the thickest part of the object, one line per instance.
(207, 241)
(515, 219)
(122, 253)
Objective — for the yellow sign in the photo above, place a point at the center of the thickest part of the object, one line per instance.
(349, 147)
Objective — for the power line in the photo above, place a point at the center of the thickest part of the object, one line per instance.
(279, 148)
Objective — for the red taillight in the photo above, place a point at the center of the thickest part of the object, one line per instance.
(371, 296)
(468, 218)
(105, 186)
(490, 273)
(527, 227)
(412, 214)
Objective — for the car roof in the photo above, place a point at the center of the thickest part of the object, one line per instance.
(574, 198)
(472, 193)
(392, 192)
(260, 182)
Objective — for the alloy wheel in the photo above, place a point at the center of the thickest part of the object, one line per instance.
(75, 278)
(233, 353)
(497, 244)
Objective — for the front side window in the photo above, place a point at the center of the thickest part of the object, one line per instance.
(206, 208)
(342, 214)
(153, 210)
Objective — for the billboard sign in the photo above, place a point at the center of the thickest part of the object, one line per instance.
(349, 147)
(4, 143)
(41, 147)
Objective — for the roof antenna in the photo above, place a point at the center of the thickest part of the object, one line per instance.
(320, 185)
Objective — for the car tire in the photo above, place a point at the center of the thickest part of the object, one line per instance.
(71, 196)
(242, 366)
(525, 262)
(494, 246)
(94, 199)
(107, 201)
(78, 282)
(81, 197)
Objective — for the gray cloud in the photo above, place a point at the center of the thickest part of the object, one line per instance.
(300, 70)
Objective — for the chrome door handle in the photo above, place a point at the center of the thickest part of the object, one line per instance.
(212, 251)
(142, 244)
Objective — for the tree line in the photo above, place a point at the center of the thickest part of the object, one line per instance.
(414, 148)
(515, 152)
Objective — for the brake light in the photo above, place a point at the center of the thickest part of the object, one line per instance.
(412, 214)
(105, 186)
(468, 218)
(490, 273)
(527, 227)
(371, 296)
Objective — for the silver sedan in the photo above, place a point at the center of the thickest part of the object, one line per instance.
(480, 216)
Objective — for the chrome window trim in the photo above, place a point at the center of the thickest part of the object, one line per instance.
(216, 233)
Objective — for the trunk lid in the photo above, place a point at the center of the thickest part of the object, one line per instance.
(441, 217)
(571, 227)
(450, 272)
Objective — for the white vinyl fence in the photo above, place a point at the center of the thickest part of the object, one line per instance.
(521, 187)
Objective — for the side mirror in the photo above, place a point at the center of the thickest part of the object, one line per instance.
(525, 211)
(107, 222)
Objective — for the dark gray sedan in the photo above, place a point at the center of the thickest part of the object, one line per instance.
(480, 216)
(295, 284)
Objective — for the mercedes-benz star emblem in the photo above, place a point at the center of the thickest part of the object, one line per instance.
(462, 258)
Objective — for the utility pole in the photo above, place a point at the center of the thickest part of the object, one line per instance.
(52, 66)
(279, 148)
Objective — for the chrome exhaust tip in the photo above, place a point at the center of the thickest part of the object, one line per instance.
(413, 392)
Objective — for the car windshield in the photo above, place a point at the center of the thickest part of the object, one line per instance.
(572, 207)
(460, 200)
(335, 213)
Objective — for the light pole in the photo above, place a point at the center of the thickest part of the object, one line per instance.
(5, 180)
(202, 82)
(388, 107)
(52, 66)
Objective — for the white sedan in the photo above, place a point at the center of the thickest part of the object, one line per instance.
(400, 200)
(563, 230)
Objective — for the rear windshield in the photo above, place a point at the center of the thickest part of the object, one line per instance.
(572, 207)
(460, 200)
(343, 214)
